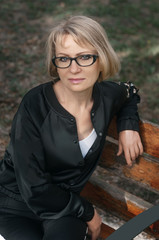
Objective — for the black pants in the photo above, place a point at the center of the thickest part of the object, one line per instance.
(17, 224)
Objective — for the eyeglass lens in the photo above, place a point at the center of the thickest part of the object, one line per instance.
(82, 60)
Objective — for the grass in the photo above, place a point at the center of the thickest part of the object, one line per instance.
(132, 27)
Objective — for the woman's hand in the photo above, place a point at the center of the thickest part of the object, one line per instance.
(130, 143)
(94, 226)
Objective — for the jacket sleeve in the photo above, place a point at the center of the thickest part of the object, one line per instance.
(127, 116)
(44, 198)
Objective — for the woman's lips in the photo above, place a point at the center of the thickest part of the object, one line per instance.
(76, 80)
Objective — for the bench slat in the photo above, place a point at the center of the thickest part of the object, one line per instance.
(144, 170)
(149, 134)
(112, 199)
(106, 231)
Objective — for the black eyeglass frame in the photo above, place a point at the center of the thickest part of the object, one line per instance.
(75, 59)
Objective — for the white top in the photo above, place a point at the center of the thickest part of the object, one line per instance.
(86, 143)
(1, 238)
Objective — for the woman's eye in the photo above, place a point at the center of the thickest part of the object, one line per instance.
(63, 59)
(85, 57)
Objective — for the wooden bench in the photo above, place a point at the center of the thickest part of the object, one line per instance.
(126, 191)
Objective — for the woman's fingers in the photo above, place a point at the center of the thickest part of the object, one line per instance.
(130, 143)
(131, 154)
(140, 146)
(120, 149)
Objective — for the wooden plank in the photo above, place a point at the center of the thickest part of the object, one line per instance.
(149, 133)
(105, 231)
(131, 205)
(145, 170)
(150, 138)
(116, 223)
(123, 204)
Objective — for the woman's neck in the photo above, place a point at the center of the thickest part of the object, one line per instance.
(73, 101)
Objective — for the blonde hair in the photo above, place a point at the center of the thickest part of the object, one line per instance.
(84, 30)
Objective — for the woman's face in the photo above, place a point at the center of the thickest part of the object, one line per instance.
(75, 77)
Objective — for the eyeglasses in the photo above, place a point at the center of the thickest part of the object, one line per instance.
(82, 60)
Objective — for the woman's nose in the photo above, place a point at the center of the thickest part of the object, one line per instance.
(74, 67)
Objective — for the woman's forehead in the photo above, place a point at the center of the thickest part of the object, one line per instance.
(63, 41)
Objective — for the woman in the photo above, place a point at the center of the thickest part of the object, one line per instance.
(58, 134)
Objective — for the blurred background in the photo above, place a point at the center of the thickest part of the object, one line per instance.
(132, 27)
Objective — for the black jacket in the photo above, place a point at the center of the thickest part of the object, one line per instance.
(43, 165)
